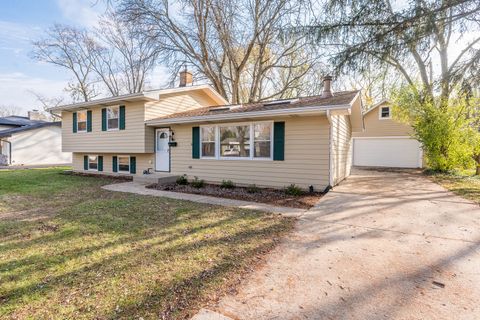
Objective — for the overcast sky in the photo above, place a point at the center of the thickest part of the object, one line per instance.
(22, 21)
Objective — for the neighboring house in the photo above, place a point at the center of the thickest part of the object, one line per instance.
(30, 141)
(385, 141)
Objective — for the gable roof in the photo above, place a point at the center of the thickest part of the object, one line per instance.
(40, 124)
(376, 105)
(152, 95)
(341, 100)
(18, 121)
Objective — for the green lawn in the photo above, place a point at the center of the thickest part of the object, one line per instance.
(464, 183)
(69, 249)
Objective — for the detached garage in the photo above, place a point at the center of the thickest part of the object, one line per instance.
(385, 142)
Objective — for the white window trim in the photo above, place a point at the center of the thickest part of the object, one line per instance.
(118, 164)
(380, 113)
(252, 141)
(86, 121)
(118, 126)
(92, 155)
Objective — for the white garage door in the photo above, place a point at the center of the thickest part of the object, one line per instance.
(387, 152)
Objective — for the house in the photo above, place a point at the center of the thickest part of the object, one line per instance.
(385, 142)
(31, 141)
(192, 130)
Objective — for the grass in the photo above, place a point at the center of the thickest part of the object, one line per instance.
(464, 183)
(71, 250)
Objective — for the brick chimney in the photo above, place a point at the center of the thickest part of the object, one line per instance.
(327, 87)
(35, 115)
(186, 78)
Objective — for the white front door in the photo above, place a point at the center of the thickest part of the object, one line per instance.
(162, 150)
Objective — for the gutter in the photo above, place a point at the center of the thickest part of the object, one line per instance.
(251, 114)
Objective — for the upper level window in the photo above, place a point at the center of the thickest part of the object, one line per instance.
(208, 141)
(112, 118)
(385, 113)
(92, 163)
(82, 121)
(124, 164)
(235, 141)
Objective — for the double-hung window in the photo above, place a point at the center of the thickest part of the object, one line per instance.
(82, 121)
(246, 141)
(124, 164)
(113, 115)
(208, 141)
(385, 113)
(93, 163)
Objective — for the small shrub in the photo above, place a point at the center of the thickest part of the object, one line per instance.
(182, 180)
(227, 184)
(198, 183)
(252, 188)
(293, 190)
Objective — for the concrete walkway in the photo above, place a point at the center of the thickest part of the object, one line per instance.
(379, 246)
(138, 188)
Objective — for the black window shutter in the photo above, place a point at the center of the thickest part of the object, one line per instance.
(114, 164)
(74, 123)
(104, 119)
(133, 165)
(122, 118)
(196, 142)
(279, 141)
(85, 162)
(100, 163)
(89, 121)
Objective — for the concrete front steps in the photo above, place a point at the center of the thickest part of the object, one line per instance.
(161, 178)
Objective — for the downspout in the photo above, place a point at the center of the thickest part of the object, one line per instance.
(330, 149)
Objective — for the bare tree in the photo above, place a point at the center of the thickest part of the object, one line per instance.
(124, 57)
(240, 46)
(70, 48)
(9, 110)
(49, 102)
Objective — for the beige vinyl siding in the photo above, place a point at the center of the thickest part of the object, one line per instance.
(172, 103)
(130, 140)
(341, 147)
(143, 161)
(374, 127)
(306, 158)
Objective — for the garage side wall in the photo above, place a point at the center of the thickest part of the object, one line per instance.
(341, 145)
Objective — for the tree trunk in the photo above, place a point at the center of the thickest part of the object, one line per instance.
(477, 160)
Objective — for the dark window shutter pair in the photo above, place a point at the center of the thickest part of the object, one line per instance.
(89, 121)
(278, 141)
(85, 162)
(121, 120)
(100, 163)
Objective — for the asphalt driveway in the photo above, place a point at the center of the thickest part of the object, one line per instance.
(382, 245)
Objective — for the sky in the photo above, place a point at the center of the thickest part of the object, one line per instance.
(21, 22)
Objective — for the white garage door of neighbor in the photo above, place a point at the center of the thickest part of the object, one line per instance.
(387, 152)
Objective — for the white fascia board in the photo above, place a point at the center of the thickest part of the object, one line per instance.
(252, 114)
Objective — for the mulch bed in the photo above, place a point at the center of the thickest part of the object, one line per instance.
(263, 195)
